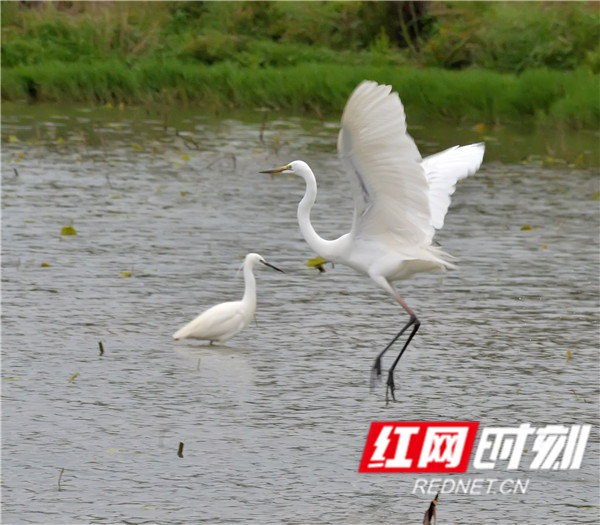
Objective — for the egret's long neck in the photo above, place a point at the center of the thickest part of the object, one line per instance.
(250, 288)
(326, 249)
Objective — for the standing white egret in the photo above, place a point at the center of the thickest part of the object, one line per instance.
(400, 199)
(221, 322)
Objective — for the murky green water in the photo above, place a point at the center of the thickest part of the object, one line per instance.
(274, 425)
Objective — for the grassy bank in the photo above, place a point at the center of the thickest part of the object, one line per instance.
(543, 96)
(485, 61)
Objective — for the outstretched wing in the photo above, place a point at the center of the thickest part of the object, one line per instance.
(443, 170)
(389, 183)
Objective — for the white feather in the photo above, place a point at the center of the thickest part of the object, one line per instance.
(399, 198)
(221, 322)
(443, 170)
(390, 188)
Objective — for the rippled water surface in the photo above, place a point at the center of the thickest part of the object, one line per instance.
(274, 424)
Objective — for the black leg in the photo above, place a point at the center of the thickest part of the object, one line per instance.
(376, 371)
(377, 364)
(390, 381)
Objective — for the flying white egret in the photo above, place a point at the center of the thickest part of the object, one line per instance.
(221, 322)
(400, 199)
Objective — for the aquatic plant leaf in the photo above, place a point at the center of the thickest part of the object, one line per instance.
(568, 355)
(68, 230)
(45, 265)
(316, 262)
(13, 139)
(527, 227)
(125, 274)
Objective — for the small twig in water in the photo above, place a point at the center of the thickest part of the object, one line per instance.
(103, 147)
(578, 395)
(187, 140)
(262, 129)
(16, 172)
(198, 366)
(101, 348)
(277, 142)
(180, 451)
(60, 478)
(430, 512)
(221, 157)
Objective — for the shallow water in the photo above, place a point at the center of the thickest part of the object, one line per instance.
(274, 424)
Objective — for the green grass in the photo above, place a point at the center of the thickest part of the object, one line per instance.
(540, 95)
(504, 36)
(488, 62)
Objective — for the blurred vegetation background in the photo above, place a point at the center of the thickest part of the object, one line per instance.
(481, 60)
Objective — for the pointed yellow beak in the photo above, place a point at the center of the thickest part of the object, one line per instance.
(277, 170)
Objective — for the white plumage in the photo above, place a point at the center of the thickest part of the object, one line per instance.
(221, 322)
(400, 199)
